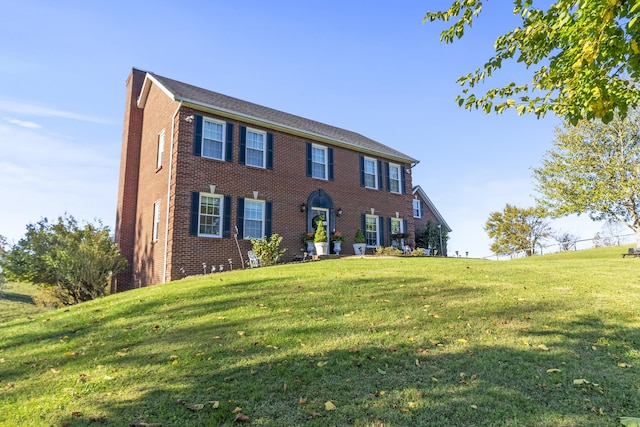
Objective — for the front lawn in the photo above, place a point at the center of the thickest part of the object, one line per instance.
(552, 340)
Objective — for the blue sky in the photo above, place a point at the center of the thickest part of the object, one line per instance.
(372, 68)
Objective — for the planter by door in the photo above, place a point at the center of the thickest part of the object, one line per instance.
(321, 248)
(359, 248)
(336, 247)
(310, 247)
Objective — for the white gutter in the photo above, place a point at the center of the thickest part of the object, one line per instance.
(166, 228)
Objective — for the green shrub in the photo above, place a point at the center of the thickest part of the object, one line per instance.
(321, 234)
(387, 250)
(268, 250)
(359, 237)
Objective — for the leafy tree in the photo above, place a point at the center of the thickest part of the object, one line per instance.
(594, 168)
(429, 237)
(585, 56)
(517, 229)
(77, 261)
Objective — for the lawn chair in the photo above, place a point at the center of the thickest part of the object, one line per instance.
(253, 261)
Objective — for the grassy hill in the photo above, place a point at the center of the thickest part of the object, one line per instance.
(551, 340)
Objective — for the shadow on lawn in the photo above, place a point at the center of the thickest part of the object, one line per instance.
(386, 385)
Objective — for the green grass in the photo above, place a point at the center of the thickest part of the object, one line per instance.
(16, 301)
(388, 341)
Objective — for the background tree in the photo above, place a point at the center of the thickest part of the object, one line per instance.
(517, 229)
(77, 261)
(429, 237)
(584, 54)
(566, 240)
(594, 168)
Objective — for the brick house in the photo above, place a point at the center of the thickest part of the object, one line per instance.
(201, 171)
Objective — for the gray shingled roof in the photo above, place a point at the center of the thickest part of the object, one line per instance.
(209, 99)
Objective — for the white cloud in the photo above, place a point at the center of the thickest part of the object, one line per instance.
(18, 107)
(22, 123)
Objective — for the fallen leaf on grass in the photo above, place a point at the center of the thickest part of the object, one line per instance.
(382, 372)
(55, 371)
(624, 365)
(214, 404)
(237, 410)
(329, 406)
(553, 370)
(196, 407)
(543, 347)
(321, 364)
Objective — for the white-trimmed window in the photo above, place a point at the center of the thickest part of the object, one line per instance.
(210, 215)
(254, 220)
(394, 178)
(417, 208)
(370, 173)
(213, 139)
(319, 161)
(156, 221)
(371, 231)
(160, 153)
(255, 149)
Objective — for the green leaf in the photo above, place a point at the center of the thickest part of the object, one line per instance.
(630, 421)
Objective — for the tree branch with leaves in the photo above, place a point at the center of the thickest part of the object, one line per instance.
(584, 56)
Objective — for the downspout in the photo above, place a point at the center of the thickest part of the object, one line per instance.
(166, 227)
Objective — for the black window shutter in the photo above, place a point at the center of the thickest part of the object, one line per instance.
(197, 138)
(229, 147)
(362, 172)
(309, 160)
(330, 153)
(243, 145)
(268, 207)
(379, 175)
(269, 150)
(421, 209)
(195, 213)
(240, 217)
(226, 217)
(403, 173)
(389, 228)
(364, 225)
(386, 169)
(405, 226)
(381, 228)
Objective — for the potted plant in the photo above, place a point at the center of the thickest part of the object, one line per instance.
(307, 240)
(359, 243)
(320, 240)
(337, 238)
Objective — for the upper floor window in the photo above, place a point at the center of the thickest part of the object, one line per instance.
(254, 219)
(213, 139)
(255, 148)
(370, 172)
(319, 162)
(210, 215)
(394, 178)
(417, 208)
(156, 221)
(160, 152)
(371, 231)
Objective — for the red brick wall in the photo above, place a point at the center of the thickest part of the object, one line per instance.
(128, 183)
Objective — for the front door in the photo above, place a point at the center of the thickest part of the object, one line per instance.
(316, 214)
